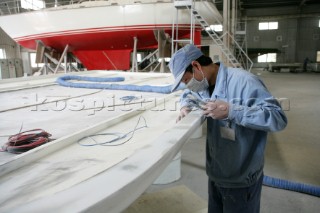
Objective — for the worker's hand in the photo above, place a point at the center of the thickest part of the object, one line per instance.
(183, 112)
(217, 109)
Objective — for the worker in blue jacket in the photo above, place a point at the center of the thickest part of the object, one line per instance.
(240, 112)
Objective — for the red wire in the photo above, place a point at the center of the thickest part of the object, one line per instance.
(26, 140)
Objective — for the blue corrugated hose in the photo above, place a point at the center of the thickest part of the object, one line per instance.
(63, 81)
(292, 186)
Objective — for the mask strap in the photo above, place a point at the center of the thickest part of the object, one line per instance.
(201, 72)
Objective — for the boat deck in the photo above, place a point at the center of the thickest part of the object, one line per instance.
(65, 174)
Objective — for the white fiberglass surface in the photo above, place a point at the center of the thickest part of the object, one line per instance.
(63, 110)
(76, 163)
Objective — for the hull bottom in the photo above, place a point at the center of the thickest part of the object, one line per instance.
(105, 50)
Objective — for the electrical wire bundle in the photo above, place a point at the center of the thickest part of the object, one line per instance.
(26, 140)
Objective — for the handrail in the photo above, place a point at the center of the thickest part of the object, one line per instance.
(238, 47)
(248, 64)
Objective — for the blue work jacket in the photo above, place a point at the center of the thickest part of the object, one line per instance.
(253, 112)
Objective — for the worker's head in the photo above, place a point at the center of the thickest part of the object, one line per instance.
(185, 66)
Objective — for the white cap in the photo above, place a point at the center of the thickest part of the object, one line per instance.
(181, 60)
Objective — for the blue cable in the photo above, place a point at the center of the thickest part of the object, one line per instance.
(118, 136)
(128, 99)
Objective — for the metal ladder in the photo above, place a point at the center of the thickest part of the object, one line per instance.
(182, 4)
(241, 52)
(217, 39)
(196, 16)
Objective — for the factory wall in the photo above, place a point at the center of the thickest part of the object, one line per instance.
(308, 38)
(297, 36)
(283, 39)
(295, 39)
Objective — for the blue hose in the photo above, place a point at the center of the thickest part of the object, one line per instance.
(63, 81)
(93, 79)
(292, 186)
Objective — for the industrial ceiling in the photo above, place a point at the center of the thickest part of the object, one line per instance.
(256, 4)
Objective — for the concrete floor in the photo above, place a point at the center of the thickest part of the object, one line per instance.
(292, 154)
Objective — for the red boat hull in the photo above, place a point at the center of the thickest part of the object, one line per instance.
(105, 50)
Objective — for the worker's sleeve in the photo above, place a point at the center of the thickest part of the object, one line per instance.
(257, 109)
(184, 99)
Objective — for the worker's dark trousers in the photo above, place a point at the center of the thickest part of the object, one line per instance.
(235, 200)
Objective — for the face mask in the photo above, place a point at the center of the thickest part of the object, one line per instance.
(197, 86)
